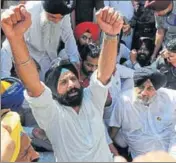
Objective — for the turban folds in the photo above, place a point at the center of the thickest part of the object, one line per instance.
(62, 7)
(141, 75)
(12, 95)
(90, 27)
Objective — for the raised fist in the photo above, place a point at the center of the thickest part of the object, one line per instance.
(15, 21)
(110, 21)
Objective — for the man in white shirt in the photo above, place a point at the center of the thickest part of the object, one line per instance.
(127, 10)
(50, 24)
(147, 123)
(70, 116)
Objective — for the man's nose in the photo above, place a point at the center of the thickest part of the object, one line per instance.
(144, 93)
(71, 84)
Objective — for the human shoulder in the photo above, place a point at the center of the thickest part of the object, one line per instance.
(167, 93)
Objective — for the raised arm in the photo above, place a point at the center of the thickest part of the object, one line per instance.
(15, 23)
(111, 23)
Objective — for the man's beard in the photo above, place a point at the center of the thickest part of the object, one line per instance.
(44, 20)
(146, 100)
(72, 98)
(87, 73)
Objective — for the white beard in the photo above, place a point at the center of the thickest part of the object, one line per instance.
(146, 101)
(49, 32)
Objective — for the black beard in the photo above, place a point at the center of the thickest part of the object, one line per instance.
(87, 73)
(71, 101)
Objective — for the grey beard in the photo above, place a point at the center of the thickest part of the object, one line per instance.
(146, 101)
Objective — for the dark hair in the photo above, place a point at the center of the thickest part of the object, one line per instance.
(145, 50)
(91, 50)
(171, 45)
(146, 42)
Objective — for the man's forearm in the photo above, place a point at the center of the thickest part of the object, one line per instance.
(107, 60)
(25, 67)
(158, 41)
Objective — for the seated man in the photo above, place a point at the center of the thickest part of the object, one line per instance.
(16, 145)
(164, 12)
(50, 24)
(148, 121)
(166, 63)
(70, 116)
(122, 82)
(87, 32)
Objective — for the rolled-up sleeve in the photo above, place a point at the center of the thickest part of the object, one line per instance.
(43, 107)
(69, 40)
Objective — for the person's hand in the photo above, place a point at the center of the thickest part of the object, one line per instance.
(133, 56)
(7, 145)
(156, 156)
(15, 22)
(153, 58)
(126, 29)
(109, 21)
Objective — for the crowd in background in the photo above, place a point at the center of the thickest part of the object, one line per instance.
(139, 110)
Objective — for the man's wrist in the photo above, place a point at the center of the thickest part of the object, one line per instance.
(111, 37)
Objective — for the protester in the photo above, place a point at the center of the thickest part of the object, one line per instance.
(16, 145)
(148, 121)
(143, 22)
(141, 56)
(75, 115)
(166, 63)
(50, 24)
(127, 10)
(165, 22)
(86, 32)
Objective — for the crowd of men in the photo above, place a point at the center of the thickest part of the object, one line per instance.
(89, 80)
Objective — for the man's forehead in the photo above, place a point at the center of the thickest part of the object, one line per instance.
(87, 34)
(65, 73)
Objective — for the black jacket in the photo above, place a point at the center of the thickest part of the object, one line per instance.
(85, 9)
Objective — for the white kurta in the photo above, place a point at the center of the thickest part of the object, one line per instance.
(75, 137)
(148, 128)
(122, 83)
(43, 39)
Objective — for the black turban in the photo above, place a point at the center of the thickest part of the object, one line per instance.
(157, 78)
(62, 7)
(53, 74)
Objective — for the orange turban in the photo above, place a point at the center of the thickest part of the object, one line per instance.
(91, 27)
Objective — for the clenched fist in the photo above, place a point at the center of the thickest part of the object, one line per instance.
(16, 21)
(109, 20)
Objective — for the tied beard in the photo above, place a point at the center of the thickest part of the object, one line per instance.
(72, 98)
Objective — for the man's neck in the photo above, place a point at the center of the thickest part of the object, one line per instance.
(83, 76)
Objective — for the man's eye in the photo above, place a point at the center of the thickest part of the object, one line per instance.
(73, 79)
(150, 88)
(63, 82)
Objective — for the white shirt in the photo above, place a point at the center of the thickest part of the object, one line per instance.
(124, 52)
(147, 128)
(75, 137)
(124, 7)
(43, 40)
(122, 83)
